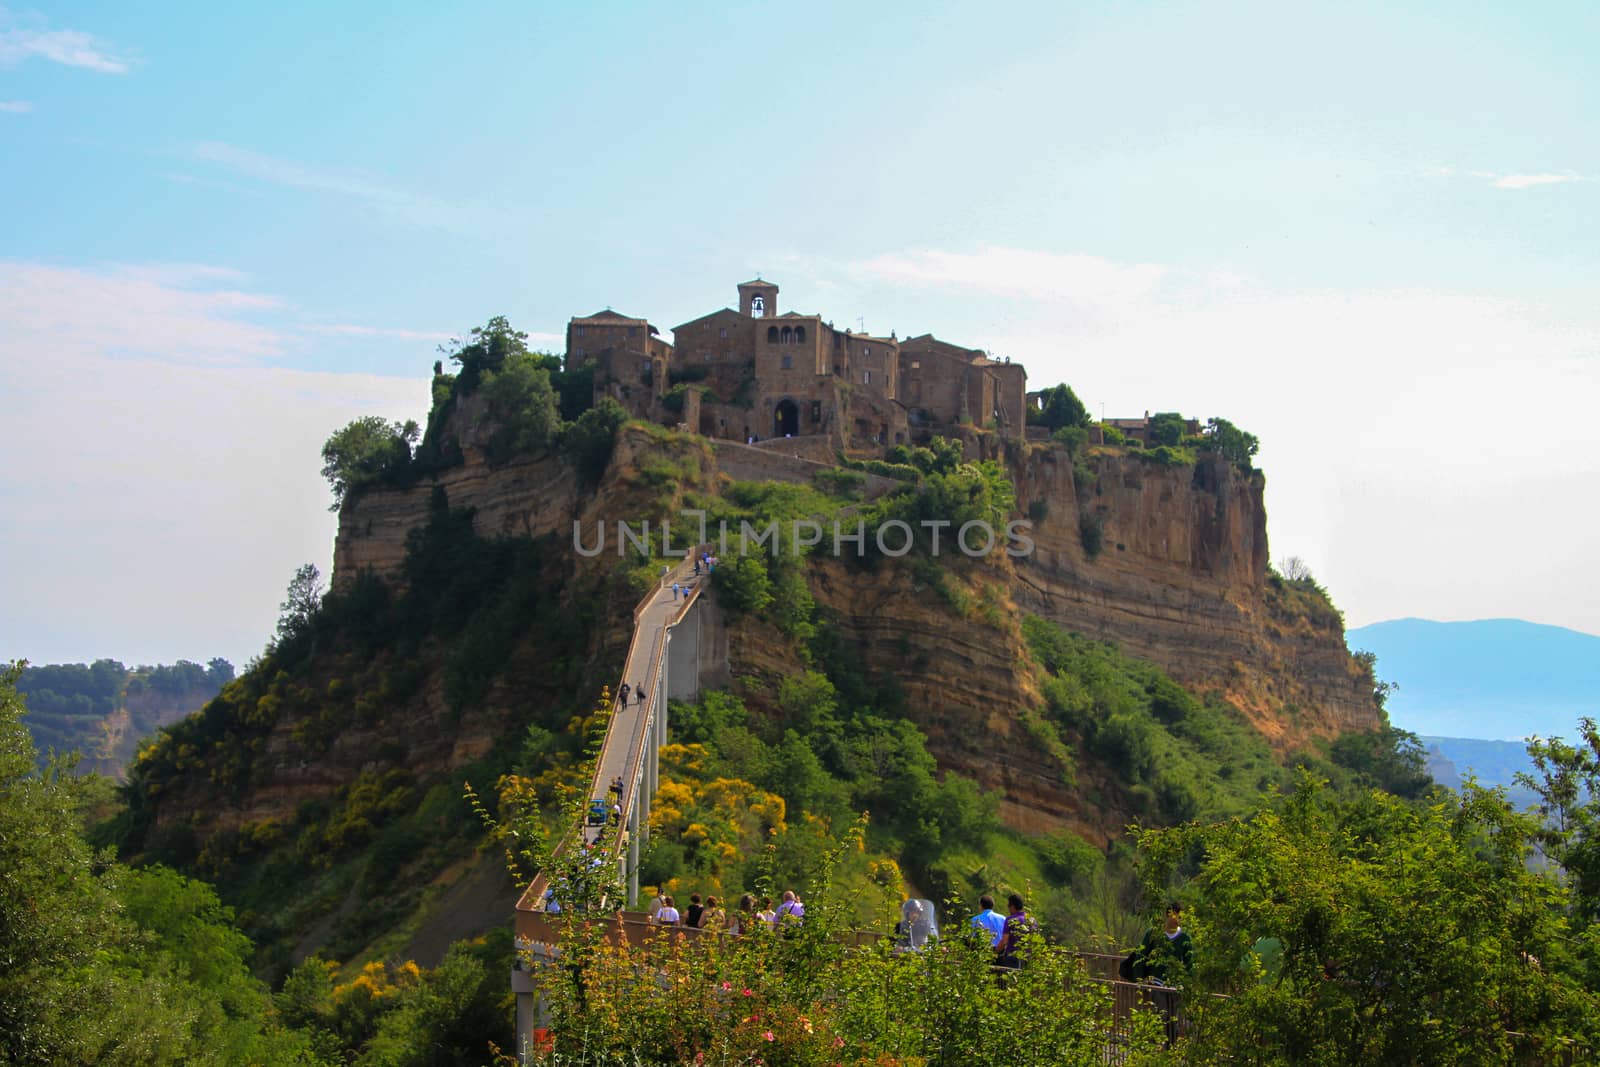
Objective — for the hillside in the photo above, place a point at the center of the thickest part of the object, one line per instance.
(999, 714)
(1494, 679)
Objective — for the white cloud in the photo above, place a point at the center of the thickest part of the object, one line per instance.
(157, 310)
(16, 107)
(399, 203)
(171, 486)
(396, 333)
(1074, 279)
(67, 47)
(1427, 451)
(1528, 181)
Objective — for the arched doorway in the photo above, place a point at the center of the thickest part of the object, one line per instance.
(786, 419)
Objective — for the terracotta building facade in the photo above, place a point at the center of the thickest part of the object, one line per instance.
(756, 373)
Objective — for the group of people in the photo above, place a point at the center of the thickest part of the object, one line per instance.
(634, 691)
(1163, 957)
(710, 915)
(1008, 934)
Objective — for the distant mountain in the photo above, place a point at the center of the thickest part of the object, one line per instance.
(1496, 679)
(1492, 763)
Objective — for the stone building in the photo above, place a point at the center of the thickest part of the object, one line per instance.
(754, 372)
(629, 358)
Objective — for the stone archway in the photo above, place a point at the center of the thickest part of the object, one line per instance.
(786, 418)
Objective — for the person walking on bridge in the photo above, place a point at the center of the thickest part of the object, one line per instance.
(638, 694)
(623, 693)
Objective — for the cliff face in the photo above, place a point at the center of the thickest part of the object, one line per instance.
(1181, 580)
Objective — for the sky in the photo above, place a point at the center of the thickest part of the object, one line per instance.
(1367, 233)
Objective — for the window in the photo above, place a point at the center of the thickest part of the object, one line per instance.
(799, 335)
(786, 336)
(758, 307)
(723, 333)
(772, 335)
(644, 366)
(788, 362)
(633, 331)
(816, 411)
(916, 364)
(866, 377)
(581, 329)
(706, 356)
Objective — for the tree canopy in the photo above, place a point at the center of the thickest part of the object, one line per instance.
(364, 452)
(1060, 407)
(1370, 930)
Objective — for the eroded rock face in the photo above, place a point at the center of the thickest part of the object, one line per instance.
(1180, 579)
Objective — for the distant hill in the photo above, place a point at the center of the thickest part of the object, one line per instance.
(1495, 679)
(103, 709)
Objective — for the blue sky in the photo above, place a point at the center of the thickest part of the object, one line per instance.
(1366, 232)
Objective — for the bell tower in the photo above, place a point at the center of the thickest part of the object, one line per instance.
(758, 299)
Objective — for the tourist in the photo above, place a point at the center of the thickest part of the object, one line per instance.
(616, 786)
(743, 919)
(692, 916)
(713, 918)
(1012, 948)
(791, 911)
(638, 694)
(674, 590)
(1165, 956)
(988, 921)
(624, 694)
(668, 915)
(656, 904)
(551, 905)
(766, 914)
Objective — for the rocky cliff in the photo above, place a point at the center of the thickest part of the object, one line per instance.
(1180, 578)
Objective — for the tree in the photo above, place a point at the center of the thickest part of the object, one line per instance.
(1295, 569)
(301, 603)
(1396, 934)
(100, 964)
(588, 442)
(1568, 784)
(1060, 407)
(523, 404)
(1231, 442)
(1167, 428)
(365, 451)
(487, 348)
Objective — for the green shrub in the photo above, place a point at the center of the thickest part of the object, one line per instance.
(1168, 456)
(1091, 534)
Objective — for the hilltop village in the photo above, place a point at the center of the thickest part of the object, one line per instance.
(755, 374)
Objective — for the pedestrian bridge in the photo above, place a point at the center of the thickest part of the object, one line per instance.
(664, 661)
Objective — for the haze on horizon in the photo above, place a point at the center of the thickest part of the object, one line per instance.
(1366, 234)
